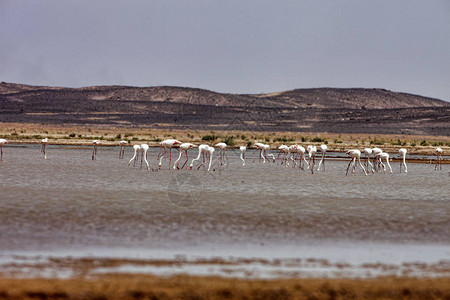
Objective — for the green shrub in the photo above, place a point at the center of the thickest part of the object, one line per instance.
(209, 137)
(229, 140)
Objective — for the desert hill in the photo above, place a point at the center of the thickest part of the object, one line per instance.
(315, 110)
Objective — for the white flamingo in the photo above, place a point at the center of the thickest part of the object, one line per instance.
(243, 149)
(144, 149)
(95, 143)
(261, 147)
(170, 143)
(285, 151)
(438, 165)
(384, 156)
(323, 149)
(368, 153)
(312, 156)
(355, 154)
(183, 147)
(221, 153)
(44, 144)
(2, 143)
(202, 149)
(209, 155)
(137, 149)
(402, 152)
(122, 149)
(301, 150)
(376, 162)
(293, 152)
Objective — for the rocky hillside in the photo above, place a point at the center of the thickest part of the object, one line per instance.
(316, 110)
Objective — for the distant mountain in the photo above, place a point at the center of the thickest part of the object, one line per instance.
(318, 109)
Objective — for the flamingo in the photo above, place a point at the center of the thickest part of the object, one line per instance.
(170, 143)
(222, 147)
(301, 150)
(135, 157)
(261, 147)
(312, 155)
(376, 164)
(368, 153)
(355, 154)
(94, 153)
(384, 156)
(183, 147)
(122, 149)
(323, 149)
(402, 152)
(293, 151)
(144, 148)
(202, 149)
(285, 151)
(243, 149)
(2, 143)
(44, 143)
(206, 150)
(438, 165)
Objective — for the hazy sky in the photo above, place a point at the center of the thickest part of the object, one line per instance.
(234, 46)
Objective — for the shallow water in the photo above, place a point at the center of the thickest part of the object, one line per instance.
(71, 205)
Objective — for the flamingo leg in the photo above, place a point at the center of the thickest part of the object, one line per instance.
(253, 155)
(348, 167)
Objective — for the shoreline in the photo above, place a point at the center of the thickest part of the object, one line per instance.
(27, 133)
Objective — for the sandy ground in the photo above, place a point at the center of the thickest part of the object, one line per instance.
(129, 286)
(110, 136)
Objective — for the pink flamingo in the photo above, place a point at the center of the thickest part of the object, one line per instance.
(323, 149)
(170, 143)
(44, 144)
(438, 165)
(137, 149)
(243, 149)
(122, 149)
(183, 147)
(355, 154)
(402, 152)
(2, 143)
(94, 153)
(222, 150)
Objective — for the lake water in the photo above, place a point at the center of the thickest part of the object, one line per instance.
(70, 205)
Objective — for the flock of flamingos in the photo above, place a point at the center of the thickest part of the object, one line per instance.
(286, 155)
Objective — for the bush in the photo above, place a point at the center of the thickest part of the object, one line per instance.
(337, 141)
(72, 135)
(229, 140)
(209, 137)
(424, 143)
(119, 136)
(317, 140)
